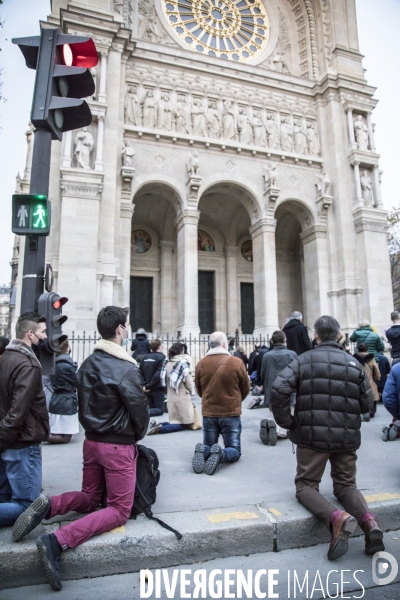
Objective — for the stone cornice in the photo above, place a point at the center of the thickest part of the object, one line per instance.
(266, 225)
(79, 183)
(345, 292)
(370, 219)
(187, 217)
(312, 233)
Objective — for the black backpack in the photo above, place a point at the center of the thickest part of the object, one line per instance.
(147, 478)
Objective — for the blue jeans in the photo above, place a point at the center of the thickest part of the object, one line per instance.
(230, 428)
(172, 427)
(20, 481)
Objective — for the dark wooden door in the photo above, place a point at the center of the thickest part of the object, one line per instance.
(141, 303)
(247, 307)
(206, 302)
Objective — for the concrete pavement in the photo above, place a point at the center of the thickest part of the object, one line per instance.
(245, 508)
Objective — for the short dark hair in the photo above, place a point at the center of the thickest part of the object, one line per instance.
(278, 337)
(155, 344)
(395, 316)
(3, 344)
(362, 347)
(108, 320)
(28, 321)
(327, 328)
(175, 349)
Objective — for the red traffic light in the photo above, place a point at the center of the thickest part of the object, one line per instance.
(59, 303)
(82, 54)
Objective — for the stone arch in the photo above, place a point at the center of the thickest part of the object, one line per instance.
(299, 208)
(238, 187)
(174, 190)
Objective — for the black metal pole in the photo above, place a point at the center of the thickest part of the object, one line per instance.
(35, 246)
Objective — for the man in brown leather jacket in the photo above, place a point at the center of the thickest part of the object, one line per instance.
(24, 420)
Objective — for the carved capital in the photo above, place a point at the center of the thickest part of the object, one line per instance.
(271, 194)
(263, 226)
(126, 210)
(187, 217)
(91, 191)
(193, 184)
(324, 203)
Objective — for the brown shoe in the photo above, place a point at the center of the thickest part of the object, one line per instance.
(156, 429)
(341, 531)
(373, 537)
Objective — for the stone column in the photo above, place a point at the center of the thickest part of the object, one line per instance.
(377, 187)
(371, 133)
(67, 159)
(231, 289)
(168, 301)
(29, 141)
(351, 126)
(187, 267)
(264, 273)
(126, 213)
(316, 272)
(99, 165)
(359, 198)
(103, 77)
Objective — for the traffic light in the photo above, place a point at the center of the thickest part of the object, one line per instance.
(63, 79)
(31, 214)
(50, 306)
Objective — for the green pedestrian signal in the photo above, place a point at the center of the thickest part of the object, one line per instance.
(31, 214)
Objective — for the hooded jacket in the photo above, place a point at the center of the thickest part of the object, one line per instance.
(24, 420)
(332, 392)
(393, 337)
(140, 345)
(112, 404)
(297, 336)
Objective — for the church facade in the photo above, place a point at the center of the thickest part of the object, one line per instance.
(230, 174)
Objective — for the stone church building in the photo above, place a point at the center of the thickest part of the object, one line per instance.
(230, 174)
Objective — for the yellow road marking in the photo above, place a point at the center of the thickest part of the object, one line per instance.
(224, 517)
(381, 497)
(275, 512)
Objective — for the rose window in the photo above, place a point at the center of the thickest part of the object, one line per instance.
(232, 29)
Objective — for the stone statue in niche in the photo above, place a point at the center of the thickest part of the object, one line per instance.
(278, 63)
(193, 164)
(244, 127)
(367, 189)
(182, 115)
(128, 154)
(272, 132)
(228, 121)
(286, 135)
(323, 185)
(133, 112)
(199, 118)
(361, 132)
(314, 145)
(165, 113)
(269, 174)
(300, 138)
(150, 110)
(213, 120)
(259, 133)
(84, 144)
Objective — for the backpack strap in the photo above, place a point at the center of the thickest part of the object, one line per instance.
(148, 512)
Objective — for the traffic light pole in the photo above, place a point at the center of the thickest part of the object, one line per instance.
(35, 245)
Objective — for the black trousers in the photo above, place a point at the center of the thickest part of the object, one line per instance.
(156, 402)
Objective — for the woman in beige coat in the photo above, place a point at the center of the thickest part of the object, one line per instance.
(371, 369)
(176, 376)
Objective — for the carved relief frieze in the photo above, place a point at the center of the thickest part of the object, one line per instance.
(150, 28)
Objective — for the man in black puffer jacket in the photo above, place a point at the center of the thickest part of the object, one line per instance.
(332, 393)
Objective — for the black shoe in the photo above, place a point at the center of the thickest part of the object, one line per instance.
(393, 429)
(385, 433)
(268, 434)
(214, 460)
(31, 517)
(198, 459)
(50, 554)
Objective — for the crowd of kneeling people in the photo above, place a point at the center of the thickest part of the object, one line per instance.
(116, 394)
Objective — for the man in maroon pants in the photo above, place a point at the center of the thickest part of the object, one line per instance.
(114, 413)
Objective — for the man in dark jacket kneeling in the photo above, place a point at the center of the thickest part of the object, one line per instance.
(114, 413)
(332, 392)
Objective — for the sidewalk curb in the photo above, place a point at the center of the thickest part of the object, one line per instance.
(236, 531)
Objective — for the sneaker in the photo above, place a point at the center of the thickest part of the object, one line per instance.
(198, 459)
(50, 554)
(31, 517)
(156, 429)
(214, 460)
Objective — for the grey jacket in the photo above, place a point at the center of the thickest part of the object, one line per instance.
(273, 363)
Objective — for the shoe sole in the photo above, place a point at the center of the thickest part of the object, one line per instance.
(213, 461)
(25, 522)
(385, 434)
(55, 585)
(375, 542)
(268, 434)
(198, 461)
(342, 544)
(393, 432)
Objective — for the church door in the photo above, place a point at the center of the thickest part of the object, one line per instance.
(247, 307)
(141, 303)
(206, 302)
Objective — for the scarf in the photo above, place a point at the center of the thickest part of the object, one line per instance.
(114, 350)
(177, 374)
(18, 346)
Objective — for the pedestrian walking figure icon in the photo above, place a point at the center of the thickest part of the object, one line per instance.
(40, 214)
(22, 215)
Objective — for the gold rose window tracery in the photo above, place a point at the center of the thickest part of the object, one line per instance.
(236, 30)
